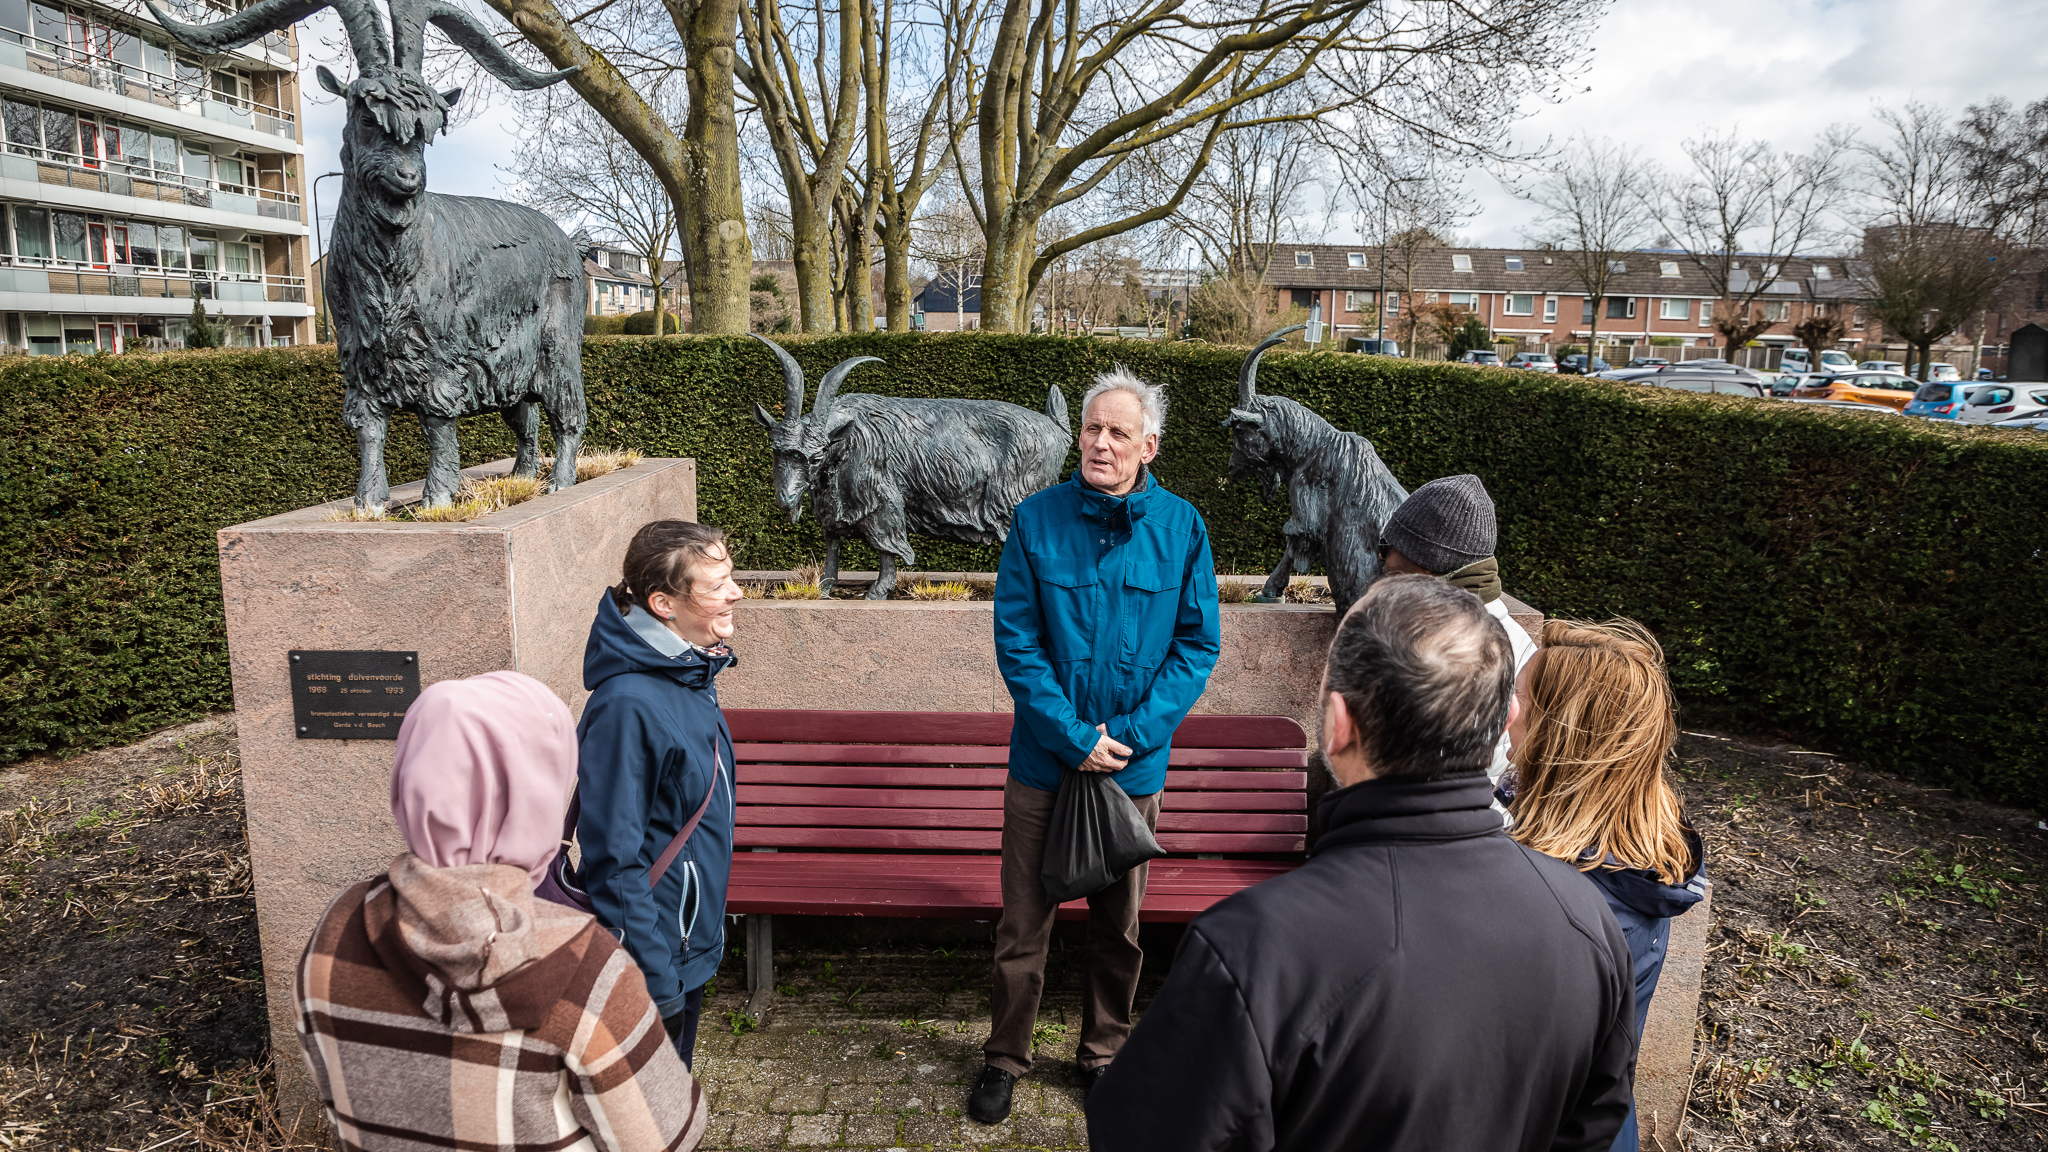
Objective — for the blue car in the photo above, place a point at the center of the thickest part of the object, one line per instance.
(1940, 400)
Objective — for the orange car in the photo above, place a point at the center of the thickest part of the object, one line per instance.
(1887, 388)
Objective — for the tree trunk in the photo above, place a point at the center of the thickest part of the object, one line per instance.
(719, 256)
(860, 280)
(896, 271)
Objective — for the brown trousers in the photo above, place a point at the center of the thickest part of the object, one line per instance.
(1026, 928)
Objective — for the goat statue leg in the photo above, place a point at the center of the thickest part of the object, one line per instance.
(444, 461)
(889, 536)
(828, 573)
(524, 421)
(1275, 588)
(373, 490)
(568, 443)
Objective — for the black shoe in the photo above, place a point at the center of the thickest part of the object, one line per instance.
(990, 1100)
(1090, 1077)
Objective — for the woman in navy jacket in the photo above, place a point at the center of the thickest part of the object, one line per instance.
(654, 748)
(1590, 786)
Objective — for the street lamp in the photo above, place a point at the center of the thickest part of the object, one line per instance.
(320, 252)
(1187, 295)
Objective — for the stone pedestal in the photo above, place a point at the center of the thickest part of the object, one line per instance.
(512, 590)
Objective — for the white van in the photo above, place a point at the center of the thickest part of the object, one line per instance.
(1831, 362)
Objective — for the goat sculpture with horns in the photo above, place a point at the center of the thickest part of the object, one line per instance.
(446, 306)
(1340, 490)
(880, 468)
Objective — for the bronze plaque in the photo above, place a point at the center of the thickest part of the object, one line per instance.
(352, 695)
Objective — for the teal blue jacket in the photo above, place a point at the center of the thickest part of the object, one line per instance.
(1105, 614)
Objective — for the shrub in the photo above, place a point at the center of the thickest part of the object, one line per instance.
(642, 324)
(1820, 574)
(604, 325)
(1471, 336)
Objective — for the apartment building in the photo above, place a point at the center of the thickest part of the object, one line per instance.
(619, 283)
(137, 175)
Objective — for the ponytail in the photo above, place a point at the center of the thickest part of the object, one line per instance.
(660, 558)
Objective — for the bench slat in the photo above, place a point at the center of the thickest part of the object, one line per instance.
(934, 777)
(929, 839)
(993, 728)
(824, 797)
(814, 817)
(849, 754)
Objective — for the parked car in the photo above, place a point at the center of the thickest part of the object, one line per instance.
(1882, 366)
(2036, 421)
(1847, 405)
(1786, 383)
(1702, 362)
(1533, 361)
(1943, 371)
(1890, 389)
(1984, 374)
(1372, 347)
(1941, 400)
(1996, 403)
(1476, 356)
(1800, 360)
(1711, 382)
(1575, 365)
(1648, 362)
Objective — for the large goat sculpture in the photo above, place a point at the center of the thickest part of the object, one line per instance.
(1340, 490)
(446, 306)
(880, 468)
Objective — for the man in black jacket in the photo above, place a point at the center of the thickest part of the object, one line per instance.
(1423, 982)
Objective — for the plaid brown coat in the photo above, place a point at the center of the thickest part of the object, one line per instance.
(447, 1008)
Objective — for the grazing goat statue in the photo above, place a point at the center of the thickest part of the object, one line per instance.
(880, 468)
(446, 306)
(1340, 490)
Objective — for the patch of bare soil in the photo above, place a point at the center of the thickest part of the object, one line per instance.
(1875, 968)
(131, 994)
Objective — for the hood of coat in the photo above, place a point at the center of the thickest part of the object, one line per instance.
(1406, 808)
(621, 643)
(1643, 891)
(475, 935)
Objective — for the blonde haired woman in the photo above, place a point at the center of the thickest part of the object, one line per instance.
(1590, 785)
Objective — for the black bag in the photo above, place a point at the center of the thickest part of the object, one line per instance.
(1095, 837)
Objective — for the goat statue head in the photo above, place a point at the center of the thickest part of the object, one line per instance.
(392, 111)
(1253, 438)
(798, 440)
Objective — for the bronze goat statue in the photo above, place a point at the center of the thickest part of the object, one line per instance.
(1339, 489)
(445, 306)
(880, 468)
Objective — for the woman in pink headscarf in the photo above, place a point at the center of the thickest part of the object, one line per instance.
(441, 1002)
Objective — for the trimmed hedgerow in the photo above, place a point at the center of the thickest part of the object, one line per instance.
(1868, 584)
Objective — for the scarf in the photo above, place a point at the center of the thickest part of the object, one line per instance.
(1481, 578)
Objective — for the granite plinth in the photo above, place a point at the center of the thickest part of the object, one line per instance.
(514, 589)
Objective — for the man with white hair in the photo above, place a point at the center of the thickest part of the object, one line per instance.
(1106, 631)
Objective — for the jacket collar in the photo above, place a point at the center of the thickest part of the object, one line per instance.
(1407, 809)
(640, 643)
(1127, 509)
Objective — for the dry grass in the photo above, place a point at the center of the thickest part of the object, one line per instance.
(947, 590)
(482, 497)
(1302, 590)
(1233, 591)
(754, 591)
(591, 465)
(806, 582)
(241, 1114)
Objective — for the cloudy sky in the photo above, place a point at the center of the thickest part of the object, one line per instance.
(1663, 71)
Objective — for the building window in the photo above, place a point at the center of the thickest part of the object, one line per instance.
(32, 232)
(1706, 313)
(1822, 272)
(1357, 301)
(1550, 309)
(1461, 263)
(70, 229)
(1429, 298)
(1586, 310)
(1856, 319)
(1674, 310)
(1514, 263)
(1462, 299)
(1393, 303)
(1304, 259)
(1303, 298)
(1519, 304)
(1668, 269)
(1621, 307)
(1617, 267)
(1777, 312)
(1356, 259)
(1770, 272)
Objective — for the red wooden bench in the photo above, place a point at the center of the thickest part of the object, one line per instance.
(901, 813)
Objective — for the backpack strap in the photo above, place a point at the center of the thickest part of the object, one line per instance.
(675, 846)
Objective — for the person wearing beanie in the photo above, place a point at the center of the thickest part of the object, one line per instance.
(1446, 529)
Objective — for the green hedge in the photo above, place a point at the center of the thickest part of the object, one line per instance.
(1866, 584)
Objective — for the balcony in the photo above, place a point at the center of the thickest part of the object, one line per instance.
(63, 278)
(91, 174)
(188, 94)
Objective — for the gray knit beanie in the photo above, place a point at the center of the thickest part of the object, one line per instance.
(1444, 525)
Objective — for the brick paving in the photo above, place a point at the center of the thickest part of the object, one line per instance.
(876, 1046)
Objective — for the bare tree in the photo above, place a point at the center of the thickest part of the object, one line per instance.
(1741, 196)
(950, 241)
(1242, 207)
(626, 53)
(582, 170)
(1930, 254)
(1075, 91)
(903, 165)
(1594, 216)
(2004, 154)
(1821, 330)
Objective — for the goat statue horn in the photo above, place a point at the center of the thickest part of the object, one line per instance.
(409, 19)
(1248, 372)
(792, 378)
(359, 17)
(828, 388)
